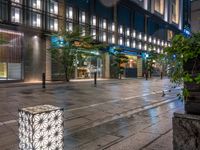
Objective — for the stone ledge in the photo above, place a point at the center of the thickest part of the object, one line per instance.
(186, 131)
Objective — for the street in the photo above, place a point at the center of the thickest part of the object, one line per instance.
(127, 114)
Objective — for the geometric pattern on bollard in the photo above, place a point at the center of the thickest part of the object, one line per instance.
(41, 128)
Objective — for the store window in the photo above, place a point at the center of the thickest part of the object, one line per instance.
(159, 6)
(35, 19)
(16, 15)
(69, 12)
(88, 65)
(175, 11)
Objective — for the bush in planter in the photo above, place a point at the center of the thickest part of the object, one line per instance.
(184, 67)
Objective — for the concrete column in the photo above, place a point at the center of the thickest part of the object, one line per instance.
(48, 61)
(106, 64)
(116, 23)
(139, 67)
(180, 14)
(62, 15)
(166, 10)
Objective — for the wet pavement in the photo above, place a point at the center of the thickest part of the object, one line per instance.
(116, 115)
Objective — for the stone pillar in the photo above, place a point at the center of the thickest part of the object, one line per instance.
(41, 127)
(48, 61)
(186, 131)
(106, 65)
(139, 67)
(62, 15)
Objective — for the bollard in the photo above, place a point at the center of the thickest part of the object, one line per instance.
(95, 79)
(43, 81)
(146, 76)
(41, 127)
(161, 75)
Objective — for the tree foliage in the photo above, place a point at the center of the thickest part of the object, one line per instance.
(184, 53)
(119, 60)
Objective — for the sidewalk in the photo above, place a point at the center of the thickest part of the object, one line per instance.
(125, 114)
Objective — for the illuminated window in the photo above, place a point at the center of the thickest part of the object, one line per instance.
(104, 37)
(139, 45)
(82, 17)
(159, 6)
(16, 15)
(120, 41)
(53, 7)
(150, 39)
(127, 32)
(17, 1)
(69, 12)
(140, 36)
(113, 39)
(120, 29)
(104, 24)
(35, 4)
(93, 21)
(53, 24)
(133, 44)
(128, 42)
(69, 26)
(93, 33)
(83, 31)
(145, 37)
(35, 19)
(175, 11)
(113, 27)
(133, 34)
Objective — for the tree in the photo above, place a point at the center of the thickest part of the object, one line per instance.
(68, 46)
(184, 61)
(150, 61)
(119, 60)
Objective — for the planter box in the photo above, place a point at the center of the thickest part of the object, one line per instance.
(192, 105)
(186, 131)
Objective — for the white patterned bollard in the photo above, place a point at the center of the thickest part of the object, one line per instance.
(41, 127)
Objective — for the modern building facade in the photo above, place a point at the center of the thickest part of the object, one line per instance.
(195, 15)
(137, 26)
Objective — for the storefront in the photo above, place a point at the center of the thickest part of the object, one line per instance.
(10, 55)
(88, 65)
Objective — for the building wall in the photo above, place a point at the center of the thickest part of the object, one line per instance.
(134, 25)
(195, 13)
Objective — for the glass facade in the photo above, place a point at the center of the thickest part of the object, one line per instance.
(11, 55)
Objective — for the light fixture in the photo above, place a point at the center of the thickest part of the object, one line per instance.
(41, 127)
